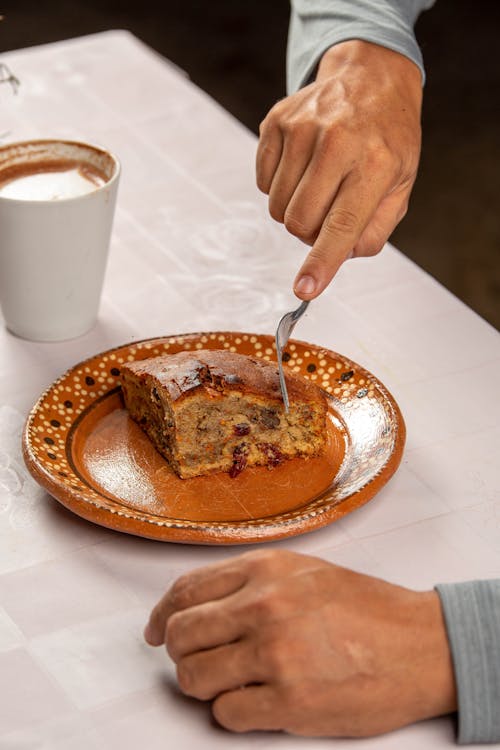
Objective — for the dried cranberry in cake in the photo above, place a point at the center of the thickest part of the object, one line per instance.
(197, 406)
(273, 454)
(240, 458)
(243, 428)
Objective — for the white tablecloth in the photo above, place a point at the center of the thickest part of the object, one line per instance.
(193, 249)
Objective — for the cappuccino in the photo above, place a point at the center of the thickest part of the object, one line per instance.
(57, 201)
(53, 170)
(50, 183)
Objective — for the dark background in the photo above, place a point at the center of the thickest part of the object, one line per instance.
(235, 50)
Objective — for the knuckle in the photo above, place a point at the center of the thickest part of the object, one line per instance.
(368, 246)
(270, 120)
(156, 616)
(266, 606)
(302, 703)
(275, 116)
(380, 158)
(173, 633)
(263, 169)
(341, 221)
(264, 125)
(267, 148)
(297, 227)
(299, 129)
(192, 682)
(331, 140)
(264, 560)
(276, 209)
(259, 557)
(394, 163)
(185, 678)
(375, 248)
(262, 183)
(274, 656)
(334, 144)
(180, 593)
(226, 715)
(262, 180)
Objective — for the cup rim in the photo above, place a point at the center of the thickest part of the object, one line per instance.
(70, 142)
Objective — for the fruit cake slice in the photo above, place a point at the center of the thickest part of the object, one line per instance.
(213, 410)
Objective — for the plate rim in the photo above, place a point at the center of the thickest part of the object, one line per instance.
(123, 518)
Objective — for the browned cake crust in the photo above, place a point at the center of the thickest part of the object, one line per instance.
(214, 410)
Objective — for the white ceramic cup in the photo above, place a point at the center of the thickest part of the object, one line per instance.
(57, 201)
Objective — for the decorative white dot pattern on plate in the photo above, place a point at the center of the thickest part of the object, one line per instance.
(356, 397)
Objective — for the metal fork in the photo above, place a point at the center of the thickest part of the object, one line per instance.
(283, 332)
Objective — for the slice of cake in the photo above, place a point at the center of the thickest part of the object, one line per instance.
(212, 410)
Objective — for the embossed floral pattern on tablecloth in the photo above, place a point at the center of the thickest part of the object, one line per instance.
(19, 493)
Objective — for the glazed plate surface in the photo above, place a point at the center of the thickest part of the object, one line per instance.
(82, 447)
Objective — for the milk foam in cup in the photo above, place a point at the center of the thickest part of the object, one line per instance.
(57, 202)
(67, 182)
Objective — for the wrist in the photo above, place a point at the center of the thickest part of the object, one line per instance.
(374, 58)
(434, 674)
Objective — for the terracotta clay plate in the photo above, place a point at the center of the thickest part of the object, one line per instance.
(81, 446)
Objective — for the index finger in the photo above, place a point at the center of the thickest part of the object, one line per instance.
(202, 585)
(350, 213)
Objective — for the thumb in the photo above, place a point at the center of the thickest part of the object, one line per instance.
(340, 232)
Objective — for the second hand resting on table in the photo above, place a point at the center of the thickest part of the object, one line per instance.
(319, 650)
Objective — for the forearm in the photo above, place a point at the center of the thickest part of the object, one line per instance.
(472, 616)
(316, 25)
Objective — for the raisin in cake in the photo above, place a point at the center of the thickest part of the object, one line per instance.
(213, 410)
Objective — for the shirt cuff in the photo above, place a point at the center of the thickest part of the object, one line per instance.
(472, 617)
(302, 64)
(317, 25)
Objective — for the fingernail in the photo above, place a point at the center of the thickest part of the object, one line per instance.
(305, 285)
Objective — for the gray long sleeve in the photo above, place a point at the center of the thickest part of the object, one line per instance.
(316, 25)
(472, 616)
(471, 609)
